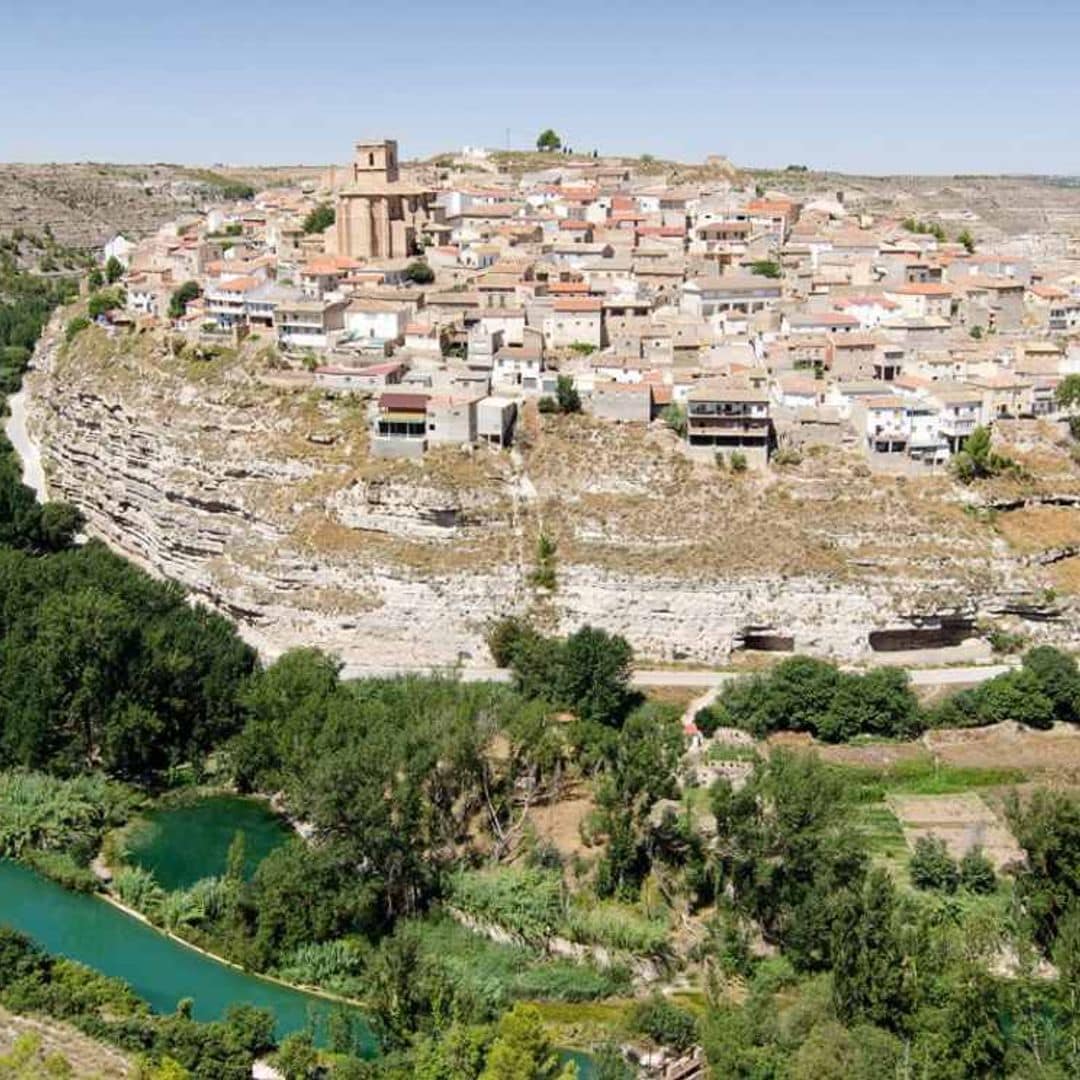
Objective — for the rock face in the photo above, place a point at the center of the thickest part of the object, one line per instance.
(265, 503)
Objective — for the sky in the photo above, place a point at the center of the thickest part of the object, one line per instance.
(907, 87)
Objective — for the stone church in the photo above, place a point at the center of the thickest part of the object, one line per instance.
(378, 214)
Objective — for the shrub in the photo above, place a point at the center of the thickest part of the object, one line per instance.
(61, 867)
(738, 461)
(977, 872)
(419, 273)
(768, 268)
(932, 867)
(547, 405)
(787, 455)
(666, 1024)
(526, 902)
(137, 888)
(674, 415)
(566, 395)
(617, 926)
(105, 300)
(75, 327)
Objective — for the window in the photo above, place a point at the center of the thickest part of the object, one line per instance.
(371, 160)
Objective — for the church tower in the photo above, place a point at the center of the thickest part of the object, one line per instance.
(375, 161)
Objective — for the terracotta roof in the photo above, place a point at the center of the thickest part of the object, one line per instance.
(578, 304)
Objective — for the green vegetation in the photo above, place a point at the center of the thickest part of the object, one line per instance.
(419, 273)
(933, 229)
(768, 268)
(547, 140)
(220, 186)
(105, 300)
(114, 270)
(319, 219)
(75, 326)
(566, 395)
(181, 297)
(34, 982)
(801, 694)
(674, 415)
(977, 460)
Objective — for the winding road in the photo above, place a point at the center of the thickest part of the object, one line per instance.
(18, 432)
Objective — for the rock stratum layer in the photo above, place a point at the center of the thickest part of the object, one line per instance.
(265, 502)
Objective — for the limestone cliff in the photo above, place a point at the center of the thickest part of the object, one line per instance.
(265, 502)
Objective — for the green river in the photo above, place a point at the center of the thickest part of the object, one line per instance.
(160, 970)
(182, 844)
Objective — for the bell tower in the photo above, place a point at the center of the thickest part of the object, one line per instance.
(376, 161)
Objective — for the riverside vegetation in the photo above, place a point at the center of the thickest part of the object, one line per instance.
(423, 889)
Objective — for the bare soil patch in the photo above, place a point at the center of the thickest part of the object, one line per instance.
(1008, 745)
(962, 821)
(559, 823)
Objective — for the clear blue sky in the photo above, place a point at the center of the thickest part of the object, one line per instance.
(908, 86)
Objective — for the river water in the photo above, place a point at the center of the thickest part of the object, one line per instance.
(160, 970)
(181, 844)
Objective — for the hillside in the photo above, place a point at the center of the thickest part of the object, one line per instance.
(266, 501)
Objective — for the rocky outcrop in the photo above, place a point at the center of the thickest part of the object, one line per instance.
(265, 503)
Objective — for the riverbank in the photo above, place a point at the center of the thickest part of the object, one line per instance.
(313, 991)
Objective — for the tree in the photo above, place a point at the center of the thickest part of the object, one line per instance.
(881, 702)
(547, 140)
(566, 395)
(296, 1059)
(1058, 678)
(181, 297)
(1047, 827)
(932, 867)
(976, 460)
(870, 980)
(1068, 392)
(114, 269)
(522, 1050)
(319, 219)
(95, 279)
(419, 273)
(967, 240)
(594, 675)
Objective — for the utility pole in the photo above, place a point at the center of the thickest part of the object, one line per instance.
(508, 140)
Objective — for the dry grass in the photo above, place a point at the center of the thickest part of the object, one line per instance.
(1065, 576)
(1040, 528)
(86, 1057)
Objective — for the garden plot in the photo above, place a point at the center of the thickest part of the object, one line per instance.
(962, 821)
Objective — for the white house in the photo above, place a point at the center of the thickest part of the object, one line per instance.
(119, 248)
(382, 320)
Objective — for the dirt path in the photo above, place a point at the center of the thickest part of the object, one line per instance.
(17, 431)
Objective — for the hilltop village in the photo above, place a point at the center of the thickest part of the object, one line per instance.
(750, 320)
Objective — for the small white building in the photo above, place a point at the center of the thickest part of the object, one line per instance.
(119, 248)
